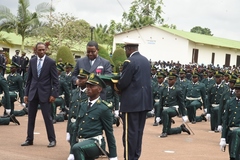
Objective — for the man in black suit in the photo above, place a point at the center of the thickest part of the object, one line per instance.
(41, 88)
(136, 98)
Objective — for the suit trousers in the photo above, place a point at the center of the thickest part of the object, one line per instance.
(46, 112)
(133, 126)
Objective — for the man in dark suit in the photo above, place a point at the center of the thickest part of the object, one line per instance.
(136, 98)
(92, 63)
(41, 88)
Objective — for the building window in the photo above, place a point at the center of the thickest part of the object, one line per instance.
(213, 58)
(195, 56)
(227, 60)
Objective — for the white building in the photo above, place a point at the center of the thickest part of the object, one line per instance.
(165, 44)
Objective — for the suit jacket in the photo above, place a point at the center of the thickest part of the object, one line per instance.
(135, 84)
(46, 84)
(85, 64)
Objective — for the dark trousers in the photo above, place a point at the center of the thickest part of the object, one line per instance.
(46, 112)
(234, 143)
(133, 126)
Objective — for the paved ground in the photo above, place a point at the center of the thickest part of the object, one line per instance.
(204, 145)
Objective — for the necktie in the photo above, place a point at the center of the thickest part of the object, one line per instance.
(39, 66)
(89, 105)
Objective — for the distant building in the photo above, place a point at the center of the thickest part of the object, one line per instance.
(160, 43)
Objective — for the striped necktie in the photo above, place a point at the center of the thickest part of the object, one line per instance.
(39, 66)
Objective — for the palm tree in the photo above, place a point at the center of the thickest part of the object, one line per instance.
(25, 23)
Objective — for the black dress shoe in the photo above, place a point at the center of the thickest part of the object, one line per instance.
(27, 143)
(163, 135)
(52, 144)
(54, 121)
(184, 129)
(193, 122)
(14, 120)
(25, 110)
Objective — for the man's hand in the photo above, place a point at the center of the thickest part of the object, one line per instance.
(219, 128)
(51, 99)
(25, 99)
(8, 111)
(208, 116)
(158, 119)
(222, 144)
(116, 113)
(185, 119)
(68, 137)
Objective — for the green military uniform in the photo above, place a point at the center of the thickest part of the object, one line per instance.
(228, 94)
(170, 103)
(78, 96)
(156, 94)
(59, 101)
(182, 82)
(195, 98)
(4, 92)
(15, 82)
(214, 96)
(231, 130)
(93, 118)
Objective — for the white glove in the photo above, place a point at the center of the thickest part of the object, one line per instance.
(158, 119)
(152, 111)
(219, 128)
(115, 158)
(222, 144)
(208, 116)
(185, 118)
(116, 113)
(68, 137)
(23, 104)
(205, 110)
(8, 111)
(70, 157)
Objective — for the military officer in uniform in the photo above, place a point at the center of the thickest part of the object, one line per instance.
(231, 123)
(59, 101)
(156, 93)
(78, 96)
(171, 101)
(24, 60)
(15, 83)
(94, 117)
(16, 59)
(214, 96)
(195, 98)
(228, 94)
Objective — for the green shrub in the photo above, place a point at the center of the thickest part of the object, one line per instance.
(118, 57)
(104, 53)
(65, 54)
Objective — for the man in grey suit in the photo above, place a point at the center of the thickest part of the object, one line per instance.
(92, 63)
(41, 88)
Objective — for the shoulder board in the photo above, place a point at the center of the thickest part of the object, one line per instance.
(107, 104)
(98, 101)
(127, 60)
(173, 87)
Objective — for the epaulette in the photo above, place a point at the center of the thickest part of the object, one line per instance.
(127, 60)
(98, 101)
(109, 105)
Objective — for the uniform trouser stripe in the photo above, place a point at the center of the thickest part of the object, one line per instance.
(126, 135)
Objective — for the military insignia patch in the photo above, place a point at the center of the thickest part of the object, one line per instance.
(91, 76)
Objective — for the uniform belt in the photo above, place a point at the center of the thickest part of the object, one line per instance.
(215, 105)
(99, 138)
(193, 99)
(233, 128)
(156, 100)
(176, 107)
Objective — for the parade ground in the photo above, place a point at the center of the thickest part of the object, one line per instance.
(203, 145)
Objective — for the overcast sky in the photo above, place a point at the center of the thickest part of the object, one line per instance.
(222, 17)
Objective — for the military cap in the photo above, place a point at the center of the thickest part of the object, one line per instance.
(218, 73)
(153, 67)
(61, 64)
(14, 65)
(93, 79)
(17, 51)
(195, 73)
(83, 73)
(227, 73)
(68, 65)
(130, 42)
(161, 75)
(182, 71)
(204, 73)
(172, 75)
(233, 78)
(60, 68)
(237, 84)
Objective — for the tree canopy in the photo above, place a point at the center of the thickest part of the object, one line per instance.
(200, 30)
